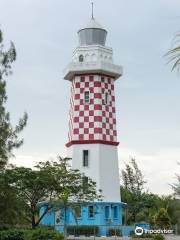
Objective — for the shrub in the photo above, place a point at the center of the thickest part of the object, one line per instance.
(158, 237)
(43, 233)
(36, 234)
(12, 234)
(82, 230)
(114, 232)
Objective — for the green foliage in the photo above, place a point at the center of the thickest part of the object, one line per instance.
(133, 179)
(9, 140)
(82, 230)
(12, 235)
(43, 233)
(132, 190)
(37, 234)
(143, 206)
(8, 134)
(68, 185)
(176, 186)
(114, 232)
(174, 54)
(162, 219)
(54, 183)
(158, 237)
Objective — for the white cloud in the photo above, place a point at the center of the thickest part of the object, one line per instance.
(29, 160)
(158, 168)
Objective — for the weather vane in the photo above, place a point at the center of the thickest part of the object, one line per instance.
(92, 3)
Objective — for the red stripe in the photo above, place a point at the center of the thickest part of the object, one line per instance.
(92, 142)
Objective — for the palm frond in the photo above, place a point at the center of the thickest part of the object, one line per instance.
(174, 55)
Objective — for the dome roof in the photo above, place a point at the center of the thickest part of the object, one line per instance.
(92, 34)
(94, 24)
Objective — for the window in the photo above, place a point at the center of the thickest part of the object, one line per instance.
(106, 98)
(115, 212)
(91, 211)
(107, 212)
(77, 211)
(81, 58)
(86, 96)
(85, 158)
(91, 78)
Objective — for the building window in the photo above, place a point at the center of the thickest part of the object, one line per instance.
(91, 78)
(107, 212)
(85, 158)
(86, 96)
(91, 211)
(115, 212)
(106, 98)
(102, 79)
(77, 211)
(81, 58)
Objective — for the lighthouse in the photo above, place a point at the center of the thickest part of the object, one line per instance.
(92, 139)
(92, 135)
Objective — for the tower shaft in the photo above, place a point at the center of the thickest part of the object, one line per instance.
(92, 139)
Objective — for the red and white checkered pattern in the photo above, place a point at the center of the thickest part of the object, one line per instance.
(95, 120)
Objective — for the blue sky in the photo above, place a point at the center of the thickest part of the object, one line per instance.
(147, 96)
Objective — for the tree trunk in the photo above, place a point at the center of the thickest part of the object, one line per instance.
(33, 221)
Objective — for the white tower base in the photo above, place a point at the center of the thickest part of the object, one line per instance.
(104, 172)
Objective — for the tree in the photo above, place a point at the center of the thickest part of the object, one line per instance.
(162, 219)
(132, 189)
(54, 184)
(133, 179)
(32, 186)
(12, 208)
(176, 186)
(8, 134)
(72, 188)
(174, 55)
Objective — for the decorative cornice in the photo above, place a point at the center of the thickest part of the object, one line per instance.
(107, 68)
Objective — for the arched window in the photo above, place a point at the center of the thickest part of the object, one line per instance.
(81, 58)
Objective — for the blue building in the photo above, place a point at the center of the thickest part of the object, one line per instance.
(101, 215)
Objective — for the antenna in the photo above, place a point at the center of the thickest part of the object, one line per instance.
(92, 3)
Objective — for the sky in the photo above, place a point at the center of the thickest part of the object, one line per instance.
(147, 96)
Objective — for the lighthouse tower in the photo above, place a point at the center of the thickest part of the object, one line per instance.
(92, 140)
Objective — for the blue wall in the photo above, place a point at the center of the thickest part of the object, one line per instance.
(104, 215)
